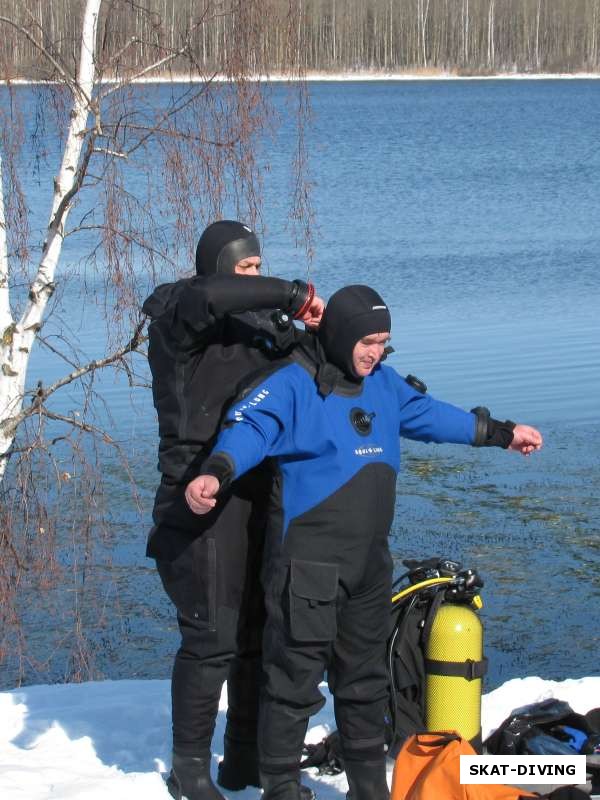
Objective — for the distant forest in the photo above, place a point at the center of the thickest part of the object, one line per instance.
(458, 36)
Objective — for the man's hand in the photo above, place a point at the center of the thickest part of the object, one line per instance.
(312, 316)
(200, 493)
(526, 439)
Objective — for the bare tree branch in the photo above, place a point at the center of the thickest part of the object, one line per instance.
(69, 81)
(109, 153)
(128, 236)
(157, 64)
(43, 393)
(157, 128)
(75, 423)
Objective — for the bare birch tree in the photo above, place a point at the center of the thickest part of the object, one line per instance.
(19, 334)
(157, 167)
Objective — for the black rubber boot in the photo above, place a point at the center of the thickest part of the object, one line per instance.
(367, 780)
(239, 767)
(190, 779)
(284, 786)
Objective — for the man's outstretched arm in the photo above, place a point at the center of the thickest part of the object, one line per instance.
(428, 419)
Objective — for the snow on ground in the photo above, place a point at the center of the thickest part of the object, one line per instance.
(354, 75)
(111, 739)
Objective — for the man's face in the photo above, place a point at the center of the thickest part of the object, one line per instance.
(368, 352)
(248, 266)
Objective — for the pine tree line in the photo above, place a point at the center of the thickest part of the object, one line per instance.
(464, 36)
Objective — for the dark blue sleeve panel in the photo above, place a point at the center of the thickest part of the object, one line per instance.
(262, 424)
(426, 419)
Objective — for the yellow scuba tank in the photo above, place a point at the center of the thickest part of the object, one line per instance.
(435, 658)
(454, 668)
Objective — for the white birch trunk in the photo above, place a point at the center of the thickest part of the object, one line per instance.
(392, 33)
(490, 53)
(333, 37)
(5, 315)
(537, 34)
(594, 56)
(18, 336)
(465, 32)
(423, 12)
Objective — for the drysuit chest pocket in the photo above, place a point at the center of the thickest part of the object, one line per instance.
(313, 592)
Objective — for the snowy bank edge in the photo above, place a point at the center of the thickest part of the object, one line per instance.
(337, 77)
(112, 738)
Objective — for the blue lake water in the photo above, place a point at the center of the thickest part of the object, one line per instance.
(474, 208)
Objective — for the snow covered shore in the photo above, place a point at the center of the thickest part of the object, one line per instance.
(359, 75)
(111, 739)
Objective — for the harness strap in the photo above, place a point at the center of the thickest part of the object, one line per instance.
(469, 669)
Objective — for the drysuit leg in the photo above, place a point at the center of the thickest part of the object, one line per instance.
(358, 678)
(195, 692)
(204, 661)
(205, 571)
(199, 672)
(296, 649)
(239, 767)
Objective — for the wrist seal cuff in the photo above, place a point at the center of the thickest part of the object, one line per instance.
(220, 466)
(301, 298)
(490, 432)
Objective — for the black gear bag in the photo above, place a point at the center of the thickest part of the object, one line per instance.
(550, 727)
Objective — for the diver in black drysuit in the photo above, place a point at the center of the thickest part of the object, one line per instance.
(333, 433)
(207, 334)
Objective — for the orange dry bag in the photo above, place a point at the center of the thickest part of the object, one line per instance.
(428, 768)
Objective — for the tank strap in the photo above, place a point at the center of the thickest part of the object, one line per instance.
(469, 669)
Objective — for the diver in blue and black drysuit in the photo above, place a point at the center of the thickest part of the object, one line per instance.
(332, 419)
(208, 334)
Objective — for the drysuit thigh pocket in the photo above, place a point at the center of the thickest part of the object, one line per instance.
(313, 592)
(190, 580)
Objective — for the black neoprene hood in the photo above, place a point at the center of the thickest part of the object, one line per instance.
(351, 314)
(222, 245)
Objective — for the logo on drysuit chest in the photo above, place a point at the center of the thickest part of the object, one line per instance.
(362, 424)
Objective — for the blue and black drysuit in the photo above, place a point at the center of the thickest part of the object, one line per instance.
(327, 571)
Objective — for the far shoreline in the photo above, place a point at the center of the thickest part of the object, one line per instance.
(359, 76)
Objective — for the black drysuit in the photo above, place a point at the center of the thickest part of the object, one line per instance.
(207, 336)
